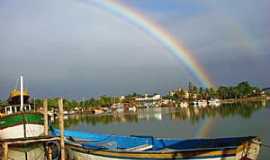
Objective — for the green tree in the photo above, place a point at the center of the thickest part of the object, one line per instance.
(222, 92)
(212, 93)
(244, 89)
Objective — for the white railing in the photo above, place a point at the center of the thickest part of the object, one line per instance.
(17, 108)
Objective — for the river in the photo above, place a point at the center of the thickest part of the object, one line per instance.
(243, 119)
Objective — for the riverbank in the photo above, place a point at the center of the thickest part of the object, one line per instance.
(246, 99)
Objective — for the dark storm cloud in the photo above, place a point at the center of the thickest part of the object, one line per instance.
(69, 48)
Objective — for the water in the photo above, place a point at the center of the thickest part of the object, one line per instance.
(224, 121)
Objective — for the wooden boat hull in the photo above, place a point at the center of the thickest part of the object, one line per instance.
(33, 151)
(81, 154)
(88, 146)
(240, 153)
(21, 125)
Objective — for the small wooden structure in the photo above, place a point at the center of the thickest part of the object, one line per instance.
(5, 143)
(20, 141)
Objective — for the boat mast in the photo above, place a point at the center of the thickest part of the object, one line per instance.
(21, 80)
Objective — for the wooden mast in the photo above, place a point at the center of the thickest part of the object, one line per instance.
(21, 96)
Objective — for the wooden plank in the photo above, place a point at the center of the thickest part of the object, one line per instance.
(33, 141)
(29, 140)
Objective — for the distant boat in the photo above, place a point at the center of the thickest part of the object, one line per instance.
(97, 111)
(214, 102)
(18, 119)
(87, 146)
(118, 108)
(132, 109)
(194, 103)
(202, 103)
(184, 104)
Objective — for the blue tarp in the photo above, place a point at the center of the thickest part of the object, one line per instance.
(110, 141)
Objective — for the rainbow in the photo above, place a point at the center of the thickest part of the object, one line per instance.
(158, 33)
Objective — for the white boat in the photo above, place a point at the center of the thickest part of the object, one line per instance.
(195, 103)
(202, 103)
(183, 104)
(20, 120)
(118, 108)
(214, 102)
(132, 109)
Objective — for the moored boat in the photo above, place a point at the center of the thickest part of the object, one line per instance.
(202, 103)
(21, 125)
(214, 102)
(86, 146)
(19, 119)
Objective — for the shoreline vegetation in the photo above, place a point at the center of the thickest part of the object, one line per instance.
(246, 99)
(242, 92)
(244, 110)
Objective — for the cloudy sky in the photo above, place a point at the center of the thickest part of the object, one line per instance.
(76, 48)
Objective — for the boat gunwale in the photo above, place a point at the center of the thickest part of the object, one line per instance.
(152, 151)
(233, 147)
(19, 113)
(20, 122)
(157, 138)
(165, 154)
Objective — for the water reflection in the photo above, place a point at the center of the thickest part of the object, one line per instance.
(193, 114)
(243, 119)
(165, 122)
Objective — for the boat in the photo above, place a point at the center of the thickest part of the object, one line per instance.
(202, 103)
(214, 102)
(19, 119)
(27, 152)
(132, 109)
(194, 103)
(183, 104)
(87, 146)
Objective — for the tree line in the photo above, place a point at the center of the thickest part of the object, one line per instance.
(241, 90)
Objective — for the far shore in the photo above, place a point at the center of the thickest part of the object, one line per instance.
(246, 99)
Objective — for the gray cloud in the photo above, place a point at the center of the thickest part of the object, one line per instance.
(70, 48)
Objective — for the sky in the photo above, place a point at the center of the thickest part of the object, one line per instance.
(76, 48)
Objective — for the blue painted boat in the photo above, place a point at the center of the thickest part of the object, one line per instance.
(86, 146)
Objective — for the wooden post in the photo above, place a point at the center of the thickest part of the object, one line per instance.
(5, 151)
(45, 114)
(46, 128)
(61, 127)
(49, 152)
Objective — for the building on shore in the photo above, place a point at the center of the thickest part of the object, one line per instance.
(148, 100)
